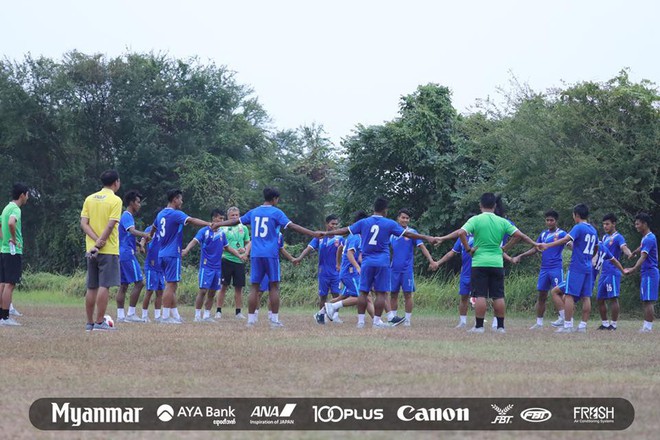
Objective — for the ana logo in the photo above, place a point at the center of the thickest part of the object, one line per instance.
(273, 411)
(165, 413)
(536, 415)
(502, 418)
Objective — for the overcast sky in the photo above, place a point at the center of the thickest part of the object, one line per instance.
(339, 63)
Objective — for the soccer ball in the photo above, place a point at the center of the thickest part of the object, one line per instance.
(109, 320)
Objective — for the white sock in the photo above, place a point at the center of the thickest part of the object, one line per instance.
(157, 313)
(606, 323)
(561, 314)
(377, 320)
(145, 313)
(270, 315)
(275, 317)
(198, 313)
(582, 324)
(338, 305)
(322, 311)
(252, 318)
(539, 321)
(568, 324)
(648, 325)
(175, 313)
(207, 313)
(131, 310)
(408, 316)
(463, 319)
(361, 318)
(494, 322)
(121, 313)
(166, 313)
(335, 316)
(613, 324)
(391, 315)
(256, 312)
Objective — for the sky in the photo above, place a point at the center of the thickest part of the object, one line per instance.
(342, 63)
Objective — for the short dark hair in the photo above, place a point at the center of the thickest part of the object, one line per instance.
(331, 217)
(270, 194)
(173, 194)
(611, 217)
(488, 200)
(359, 215)
(217, 211)
(405, 211)
(643, 217)
(18, 190)
(581, 210)
(551, 213)
(381, 204)
(109, 177)
(131, 195)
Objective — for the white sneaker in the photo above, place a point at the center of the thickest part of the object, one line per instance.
(476, 330)
(558, 323)
(120, 319)
(276, 324)
(13, 311)
(645, 330)
(582, 330)
(406, 323)
(240, 316)
(158, 319)
(336, 319)
(170, 320)
(329, 309)
(360, 325)
(536, 327)
(198, 319)
(250, 324)
(133, 318)
(381, 324)
(208, 319)
(565, 330)
(218, 315)
(500, 330)
(10, 322)
(461, 325)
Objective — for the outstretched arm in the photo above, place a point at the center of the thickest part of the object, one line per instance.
(517, 236)
(630, 270)
(303, 230)
(188, 248)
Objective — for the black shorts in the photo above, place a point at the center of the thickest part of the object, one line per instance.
(232, 271)
(487, 282)
(103, 271)
(11, 268)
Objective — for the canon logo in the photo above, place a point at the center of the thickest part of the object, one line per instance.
(536, 415)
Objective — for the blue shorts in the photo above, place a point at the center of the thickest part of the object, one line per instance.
(402, 280)
(264, 267)
(329, 284)
(171, 269)
(549, 278)
(649, 286)
(464, 287)
(351, 283)
(377, 278)
(264, 286)
(155, 279)
(131, 271)
(577, 284)
(209, 278)
(609, 286)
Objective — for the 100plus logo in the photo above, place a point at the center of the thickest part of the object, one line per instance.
(335, 414)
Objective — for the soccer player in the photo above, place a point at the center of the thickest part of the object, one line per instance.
(266, 222)
(375, 233)
(99, 219)
(648, 261)
(328, 275)
(552, 273)
(169, 224)
(579, 279)
(153, 273)
(487, 278)
(265, 283)
(11, 251)
(403, 278)
(605, 256)
(233, 268)
(213, 243)
(131, 273)
(464, 289)
(349, 274)
(609, 283)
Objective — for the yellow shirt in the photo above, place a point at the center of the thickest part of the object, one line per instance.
(100, 208)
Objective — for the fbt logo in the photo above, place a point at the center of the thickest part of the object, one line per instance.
(536, 415)
(502, 418)
(273, 411)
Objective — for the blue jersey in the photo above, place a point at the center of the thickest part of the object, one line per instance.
(650, 248)
(170, 224)
(584, 241)
(126, 239)
(265, 222)
(551, 258)
(375, 232)
(506, 237)
(603, 256)
(352, 242)
(613, 243)
(212, 244)
(403, 251)
(151, 260)
(466, 258)
(327, 250)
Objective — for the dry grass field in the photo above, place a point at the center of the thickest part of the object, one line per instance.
(52, 356)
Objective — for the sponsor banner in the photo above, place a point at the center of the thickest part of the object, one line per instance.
(314, 414)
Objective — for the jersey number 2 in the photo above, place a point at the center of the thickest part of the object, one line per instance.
(374, 232)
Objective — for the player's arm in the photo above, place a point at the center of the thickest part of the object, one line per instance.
(234, 252)
(134, 232)
(217, 225)
(414, 235)
(426, 253)
(302, 230)
(202, 223)
(626, 251)
(248, 248)
(618, 265)
(446, 257)
(507, 257)
(453, 236)
(287, 255)
(341, 231)
(12, 229)
(562, 241)
(188, 248)
(516, 237)
(106, 233)
(305, 252)
(630, 270)
(529, 253)
(351, 257)
(340, 251)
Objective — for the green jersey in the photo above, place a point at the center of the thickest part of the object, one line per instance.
(488, 230)
(237, 237)
(11, 210)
